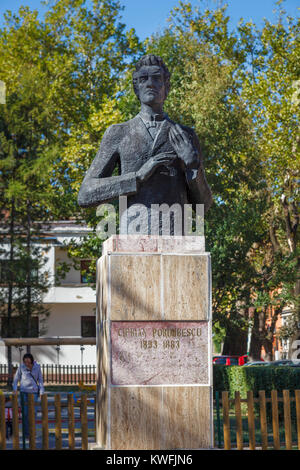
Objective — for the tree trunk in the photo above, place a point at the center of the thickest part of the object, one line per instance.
(10, 292)
(268, 346)
(255, 343)
(28, 277)
(235, 342)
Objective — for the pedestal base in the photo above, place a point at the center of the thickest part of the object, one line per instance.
(154, 346)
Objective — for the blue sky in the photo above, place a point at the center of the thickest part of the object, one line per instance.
(149, 16)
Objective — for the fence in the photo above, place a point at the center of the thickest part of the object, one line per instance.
(57, 422)
(60, 374)
(258, 422)
(68, 421)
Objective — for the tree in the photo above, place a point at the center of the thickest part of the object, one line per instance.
(60, 75)
(24, 174)
(271, 90)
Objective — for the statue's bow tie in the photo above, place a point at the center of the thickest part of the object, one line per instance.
(150, 124)
(154, 121)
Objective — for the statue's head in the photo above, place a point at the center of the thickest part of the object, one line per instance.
(151, 80)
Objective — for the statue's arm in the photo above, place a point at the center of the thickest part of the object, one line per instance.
(99, 185)
(199, 191)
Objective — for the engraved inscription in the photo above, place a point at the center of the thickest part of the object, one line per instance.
(158, 353)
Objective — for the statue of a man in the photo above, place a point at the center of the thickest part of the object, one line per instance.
(158, 161)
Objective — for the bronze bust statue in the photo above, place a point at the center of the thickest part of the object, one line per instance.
(158, 161)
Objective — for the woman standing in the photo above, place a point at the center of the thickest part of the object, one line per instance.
(29, 375)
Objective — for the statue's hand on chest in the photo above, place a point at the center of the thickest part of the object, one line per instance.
(153, 163)
(183, 146)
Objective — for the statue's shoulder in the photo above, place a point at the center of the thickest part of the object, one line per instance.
(119, 128)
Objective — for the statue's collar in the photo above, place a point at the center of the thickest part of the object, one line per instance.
(148, 117)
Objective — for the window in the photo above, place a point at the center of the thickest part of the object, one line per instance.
(86, 272)
(18, 327)
(88, 326)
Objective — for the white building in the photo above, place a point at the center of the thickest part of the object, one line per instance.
(71, 304)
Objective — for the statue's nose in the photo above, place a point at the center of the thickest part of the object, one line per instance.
(149, 82)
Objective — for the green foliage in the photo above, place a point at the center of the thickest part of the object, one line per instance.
(68, 68)
(243, 379)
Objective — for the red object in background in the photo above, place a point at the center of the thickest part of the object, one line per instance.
(243, 360)
(231, 360)
(9, 414)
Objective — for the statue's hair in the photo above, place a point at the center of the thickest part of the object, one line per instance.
(151, 59)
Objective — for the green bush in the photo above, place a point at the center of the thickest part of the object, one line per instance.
(242, 379)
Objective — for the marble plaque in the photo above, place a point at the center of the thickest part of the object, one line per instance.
(159, 352)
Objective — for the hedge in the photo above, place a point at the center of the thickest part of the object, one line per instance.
(242, 379)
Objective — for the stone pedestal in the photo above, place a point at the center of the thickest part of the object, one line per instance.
(154, 344)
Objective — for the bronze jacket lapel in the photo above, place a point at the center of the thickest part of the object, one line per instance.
(161, 137)
(142, 131)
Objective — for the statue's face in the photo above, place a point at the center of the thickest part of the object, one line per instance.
(151, 85)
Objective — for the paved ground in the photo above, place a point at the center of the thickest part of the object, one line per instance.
(64, 423)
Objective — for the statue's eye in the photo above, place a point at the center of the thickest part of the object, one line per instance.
(143, 79)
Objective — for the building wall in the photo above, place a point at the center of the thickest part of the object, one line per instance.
(67, 301)
(64, 320)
